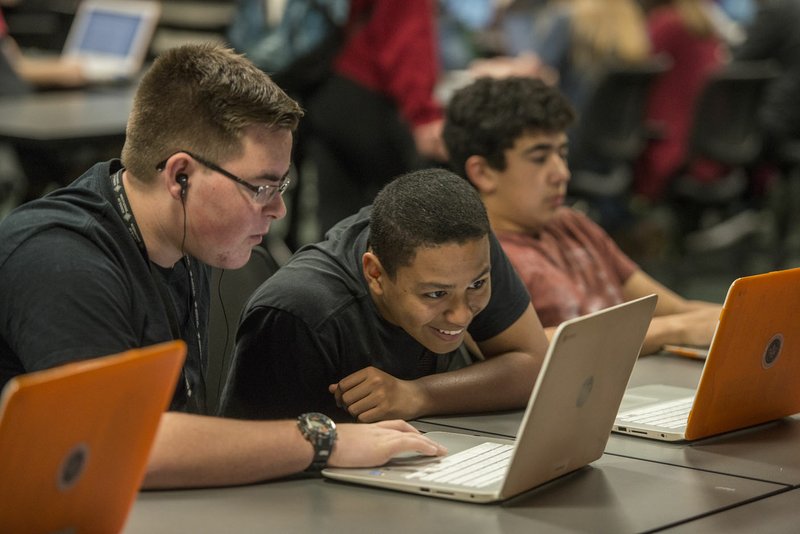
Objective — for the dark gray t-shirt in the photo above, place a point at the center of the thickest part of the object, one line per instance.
(74, 285)
(313, 323)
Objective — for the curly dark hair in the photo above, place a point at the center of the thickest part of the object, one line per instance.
(486, 117)
(424, 208)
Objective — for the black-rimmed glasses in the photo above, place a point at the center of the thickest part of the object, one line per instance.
(262, 194)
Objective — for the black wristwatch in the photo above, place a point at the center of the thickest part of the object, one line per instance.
(320, 430)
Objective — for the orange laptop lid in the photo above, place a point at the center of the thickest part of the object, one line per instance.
(75, 439)
(752, 372)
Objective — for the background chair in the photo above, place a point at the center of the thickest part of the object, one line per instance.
(785, 199)
(608, 138)
(712, 211)
(230, 291)
(12, 180)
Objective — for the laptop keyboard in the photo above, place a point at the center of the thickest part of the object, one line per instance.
(475, 467)
(672, 414)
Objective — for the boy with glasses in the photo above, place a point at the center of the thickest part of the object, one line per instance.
(121, 259)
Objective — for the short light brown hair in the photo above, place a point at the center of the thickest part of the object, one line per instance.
(200, 98)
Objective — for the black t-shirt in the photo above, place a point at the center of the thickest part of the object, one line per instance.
(314, 322)
(74, 285)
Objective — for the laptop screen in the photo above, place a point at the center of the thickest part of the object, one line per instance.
(110, 37)
(109, 33)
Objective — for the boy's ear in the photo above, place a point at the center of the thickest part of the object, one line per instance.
(481, 174)
(373, 272)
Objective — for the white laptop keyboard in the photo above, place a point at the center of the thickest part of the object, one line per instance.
(475, 467)
(672, 414)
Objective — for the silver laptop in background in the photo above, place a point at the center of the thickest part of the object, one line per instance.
(110, 38)
(565, 427)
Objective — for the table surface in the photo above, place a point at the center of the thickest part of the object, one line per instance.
(714, 485)
(767, 452)
(615, 492)
(66, 116)
(775, 514)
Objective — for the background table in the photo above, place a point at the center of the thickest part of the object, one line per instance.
(66, 117)
(53, 137)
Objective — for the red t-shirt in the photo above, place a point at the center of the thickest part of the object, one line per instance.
(393, 50)
(571, 268)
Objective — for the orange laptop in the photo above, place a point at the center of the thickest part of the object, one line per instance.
(751, 374)
(75, 439)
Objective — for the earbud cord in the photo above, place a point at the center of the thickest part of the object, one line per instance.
(224, 355)
(194, 306)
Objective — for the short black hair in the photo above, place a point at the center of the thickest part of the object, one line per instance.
(486, 117)
(424, 208)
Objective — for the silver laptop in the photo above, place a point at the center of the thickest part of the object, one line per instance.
(565, 427)
(750, 375)
(110, 38)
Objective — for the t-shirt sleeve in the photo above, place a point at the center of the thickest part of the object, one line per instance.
(509, 298)
(278, 369)
(66, 302)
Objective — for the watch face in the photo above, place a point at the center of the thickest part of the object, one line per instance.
(318, 425)
(320, 430)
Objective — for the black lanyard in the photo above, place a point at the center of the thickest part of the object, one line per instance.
(130, 222)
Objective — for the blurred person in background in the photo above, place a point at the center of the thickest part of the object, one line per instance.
(683, 31)
(21, 74)
(583, 37)
(376, 117)
(34, 71)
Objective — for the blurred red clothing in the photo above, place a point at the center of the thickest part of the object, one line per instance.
(392, 50)
(671, 104)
